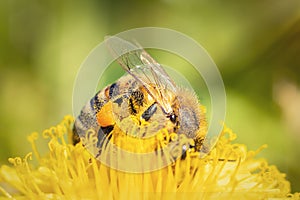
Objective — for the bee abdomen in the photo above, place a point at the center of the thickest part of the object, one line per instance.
(113, 90)
(87, 117)
(97, 102)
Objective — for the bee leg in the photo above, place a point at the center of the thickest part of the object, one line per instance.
(104, 136)
(183, 154)
(149, 112)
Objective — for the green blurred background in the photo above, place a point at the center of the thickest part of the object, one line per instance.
(255, 44)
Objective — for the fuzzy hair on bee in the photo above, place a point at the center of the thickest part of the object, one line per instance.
(140, 103)
(188, 113)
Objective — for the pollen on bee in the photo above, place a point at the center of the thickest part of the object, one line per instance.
(105, 115)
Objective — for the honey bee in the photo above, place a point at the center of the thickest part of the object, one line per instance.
(146, 92)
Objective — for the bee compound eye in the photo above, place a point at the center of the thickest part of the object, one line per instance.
(173, 118)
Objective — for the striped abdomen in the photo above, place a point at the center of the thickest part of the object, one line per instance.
(97, 113)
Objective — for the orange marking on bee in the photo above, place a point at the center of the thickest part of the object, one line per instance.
(107, 92)
(105, 115)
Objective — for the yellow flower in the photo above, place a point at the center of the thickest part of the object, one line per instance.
(230, 171)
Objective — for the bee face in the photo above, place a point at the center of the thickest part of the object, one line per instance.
(140, 103)
(188, 113)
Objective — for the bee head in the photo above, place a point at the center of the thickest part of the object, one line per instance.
(187, 113)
